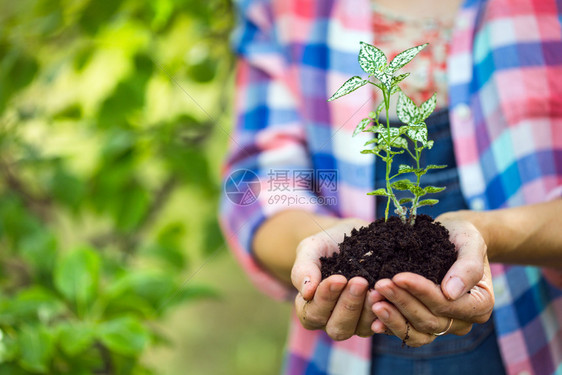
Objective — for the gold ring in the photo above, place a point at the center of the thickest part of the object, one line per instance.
(445, 331)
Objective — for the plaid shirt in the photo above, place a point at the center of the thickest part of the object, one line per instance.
(505, 82)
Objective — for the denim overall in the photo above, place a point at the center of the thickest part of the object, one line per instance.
(475, 353)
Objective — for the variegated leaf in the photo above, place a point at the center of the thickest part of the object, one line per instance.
(361, 126)
(371, 59)
(403, 168)
(404, 57)
(434, 166)
(429, 144)
(406, 110)
(399, 78)
(428, 202)
(350, 85)
(379, 192)
(433, 189)
(393, 137)
(418, 133)
(402, 185)
(405, 200)
(428, 107)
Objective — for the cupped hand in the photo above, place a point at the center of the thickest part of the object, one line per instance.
(340, 307)
(416, 309)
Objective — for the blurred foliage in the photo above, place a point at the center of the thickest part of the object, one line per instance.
(106, 108)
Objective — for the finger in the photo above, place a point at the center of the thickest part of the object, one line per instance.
(474, 307)
(468, 269)
(306, 274)
(367, 316)
(394, 322)
(415, 312)
(314, 313)
(345, 317)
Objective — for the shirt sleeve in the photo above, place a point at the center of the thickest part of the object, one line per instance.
(268, 145)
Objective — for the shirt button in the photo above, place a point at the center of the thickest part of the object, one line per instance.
(463, 111)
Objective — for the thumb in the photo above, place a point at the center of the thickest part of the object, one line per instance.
(306, 273)
(468, 269)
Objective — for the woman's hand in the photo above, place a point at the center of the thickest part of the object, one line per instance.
(342, 308)
(416, 309)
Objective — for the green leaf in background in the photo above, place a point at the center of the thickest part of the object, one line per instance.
(39, 248)
(433, 189)
(125, 335)
(77, 275)
(35, 348)
(75, 337)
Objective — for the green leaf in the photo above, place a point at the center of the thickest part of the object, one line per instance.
(379, 192)
(428, 202)
(405, 200)
(371, 59)
(403, 168)
(380, 107)
(391, 136)
(75, 337)
(77, 273)
(405, 57)
(434, 166)
(433, 189)
(406, 110)
(36, 349)
(402, 184)
(350, 85)
(418, 133)
(124, 335)
(399, 78)
(361, 126)
(429, 144)
(428, 107)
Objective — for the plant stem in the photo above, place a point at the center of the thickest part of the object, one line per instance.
(386, 96)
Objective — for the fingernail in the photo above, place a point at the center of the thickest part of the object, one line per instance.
(336, 287)
(306, 281)
(356, 290)
(454, 287)
(382, 314)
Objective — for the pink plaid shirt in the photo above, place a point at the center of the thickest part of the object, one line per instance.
(505, 85)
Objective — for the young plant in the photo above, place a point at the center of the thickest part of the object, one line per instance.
(391, 141)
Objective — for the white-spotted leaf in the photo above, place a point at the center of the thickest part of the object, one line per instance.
(405, 200)
(350, 85)
(428, 202)
(434, 166)
(418, 133)
(399, 78)
(402, 185)
(371, 59)
(407, 110)
(405, 57)
(433, 189)
(361, 126)
(428, 107)
(379, 192)
(391, 137)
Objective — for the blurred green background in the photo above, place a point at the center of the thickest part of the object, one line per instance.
(114, 120)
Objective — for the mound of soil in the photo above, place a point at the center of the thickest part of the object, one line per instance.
(384, 249)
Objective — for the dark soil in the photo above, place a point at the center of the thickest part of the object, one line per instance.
(384, 249)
